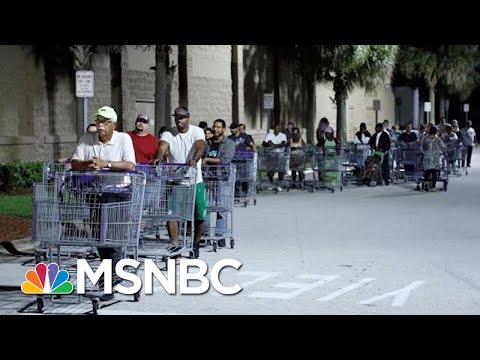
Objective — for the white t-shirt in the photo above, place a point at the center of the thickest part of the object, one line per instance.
(182, 146)
(281, 137)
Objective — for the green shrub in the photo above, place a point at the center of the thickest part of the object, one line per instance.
(20, 175)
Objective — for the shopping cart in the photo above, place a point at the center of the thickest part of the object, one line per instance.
(169, 196)
(96, 209)
(327, 169)
(246, 177)
(273, 160)
(219, 183)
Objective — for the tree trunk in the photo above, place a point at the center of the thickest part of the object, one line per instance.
(160, 85)
(168, 100)
(341, 95)
(441, 103)
(276, 89)
(311, 111)
(234, 73)
(431, 93)
(182, 76)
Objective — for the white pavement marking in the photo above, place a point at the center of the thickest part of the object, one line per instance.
(346, 289)
(400, 296)
(260, 276)
(301, 287)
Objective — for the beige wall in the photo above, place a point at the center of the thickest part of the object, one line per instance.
(209, 83)
(138, 83)
(32, 128)
(359, 108)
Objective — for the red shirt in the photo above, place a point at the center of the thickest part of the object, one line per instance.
(145, 147)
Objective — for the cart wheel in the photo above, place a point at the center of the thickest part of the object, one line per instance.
(38, 259)
(136, 296)
(232, 243)
(95, 306)
(254, 201)
(445, 186)
(40, 305)
(215, 246)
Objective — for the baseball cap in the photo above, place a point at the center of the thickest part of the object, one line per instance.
(329, 130)
(143, 117)
(107, 112)
(233, 126)
(181, 112)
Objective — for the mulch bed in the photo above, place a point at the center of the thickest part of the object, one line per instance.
(14, 228)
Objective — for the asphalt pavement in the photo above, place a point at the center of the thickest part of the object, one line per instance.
(363, 250)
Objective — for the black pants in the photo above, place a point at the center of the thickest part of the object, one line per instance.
(270, 175)
(431, 175)
(469, 154)
(301, 175)
(386, 168)
(114, 253)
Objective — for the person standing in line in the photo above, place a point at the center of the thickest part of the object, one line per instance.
(105, 149)
(144, 143)
(185, 144)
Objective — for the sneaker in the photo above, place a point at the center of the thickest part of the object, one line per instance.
(270, 188)
(433, 190)
(279, 189)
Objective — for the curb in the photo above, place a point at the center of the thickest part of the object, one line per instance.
(18, 247)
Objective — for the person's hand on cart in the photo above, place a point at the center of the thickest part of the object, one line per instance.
(98, 163)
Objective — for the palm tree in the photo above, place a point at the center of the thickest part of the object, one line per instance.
(347, 66)
(450, 69)
(64, 60)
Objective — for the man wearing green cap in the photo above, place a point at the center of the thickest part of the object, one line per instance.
(105, 149)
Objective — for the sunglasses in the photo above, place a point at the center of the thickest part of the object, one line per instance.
(143, 121)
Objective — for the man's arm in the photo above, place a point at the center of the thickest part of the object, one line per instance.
(81, 165)
(161, 150)
(197, 155)
(228, 152)
(78, 159)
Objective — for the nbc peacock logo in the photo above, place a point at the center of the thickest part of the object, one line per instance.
(47, 280)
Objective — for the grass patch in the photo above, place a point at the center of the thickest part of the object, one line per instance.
(16, 205)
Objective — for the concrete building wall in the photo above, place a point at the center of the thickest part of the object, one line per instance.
(138, 85)
(209, 83)
(359, 107)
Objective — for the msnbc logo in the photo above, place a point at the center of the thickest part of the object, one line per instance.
(47, 280)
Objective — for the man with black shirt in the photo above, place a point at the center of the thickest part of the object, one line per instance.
(380, 141)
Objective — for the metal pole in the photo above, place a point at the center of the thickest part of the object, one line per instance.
(376, 117)
(85, 114)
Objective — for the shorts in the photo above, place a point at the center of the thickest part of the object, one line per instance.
(200, 202)
(179, 202)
